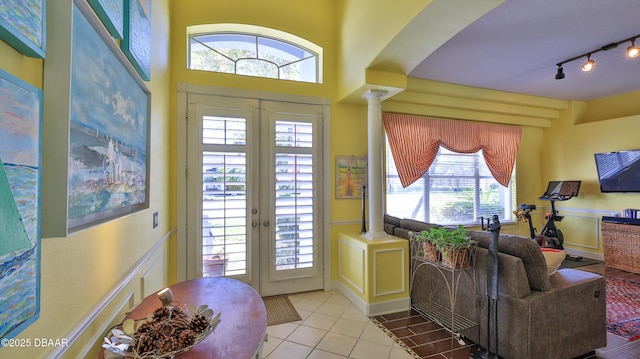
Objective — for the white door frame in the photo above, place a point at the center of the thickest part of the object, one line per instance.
(181, 169)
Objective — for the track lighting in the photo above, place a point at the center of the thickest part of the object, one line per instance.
(588, 66)
(633, 51)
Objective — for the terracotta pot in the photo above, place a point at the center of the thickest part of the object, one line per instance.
(456, 258)
(430, 251)
(214, 265)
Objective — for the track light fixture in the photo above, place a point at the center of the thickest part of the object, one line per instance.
(588, 66)
(633, 51)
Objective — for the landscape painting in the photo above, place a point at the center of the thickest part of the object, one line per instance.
(351, 175)
(22, 25)
(20, 124)
(111, 12)
(109, 129)
(137, 36)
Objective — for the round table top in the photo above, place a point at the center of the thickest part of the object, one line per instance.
(243, 318)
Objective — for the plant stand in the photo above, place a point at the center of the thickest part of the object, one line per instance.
(443, 316)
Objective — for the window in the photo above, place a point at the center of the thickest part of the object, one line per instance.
(457, 189)
(253, 51)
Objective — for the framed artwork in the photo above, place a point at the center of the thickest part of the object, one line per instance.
(20, 183)
(108, 164)
(136, 44)
(111, 13)
(23, 25)
(351, 175)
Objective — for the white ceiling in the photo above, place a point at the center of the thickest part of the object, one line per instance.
(516, 46)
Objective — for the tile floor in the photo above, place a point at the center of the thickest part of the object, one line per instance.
(331, 328)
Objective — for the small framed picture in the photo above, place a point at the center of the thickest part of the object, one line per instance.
(23, 26)
(351, 175)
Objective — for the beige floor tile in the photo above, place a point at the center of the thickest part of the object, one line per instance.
(352, 328)
(307, 336)
(368, 350)
(281, 331)
(354, 313)
(321, 354)
(373, 333)
(320, 321)
(289, 350)
(307, 304)
(332, 309)
(337, 343)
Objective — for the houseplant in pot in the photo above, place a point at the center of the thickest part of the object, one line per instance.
(428, 239)
(456, 248)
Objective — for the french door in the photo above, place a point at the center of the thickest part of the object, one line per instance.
(254, 192)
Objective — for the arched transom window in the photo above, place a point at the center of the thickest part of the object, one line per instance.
(253, 51)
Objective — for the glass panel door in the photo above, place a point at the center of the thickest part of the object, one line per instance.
(254, 198)
(291, 247)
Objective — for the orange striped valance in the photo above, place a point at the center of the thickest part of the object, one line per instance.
(415, 140)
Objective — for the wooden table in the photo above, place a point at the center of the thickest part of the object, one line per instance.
(243, 324)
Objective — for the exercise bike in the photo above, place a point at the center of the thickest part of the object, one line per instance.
(550, 236)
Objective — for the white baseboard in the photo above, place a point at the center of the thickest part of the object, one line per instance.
(371, 309)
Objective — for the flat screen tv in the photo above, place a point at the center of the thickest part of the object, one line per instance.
(619, 171)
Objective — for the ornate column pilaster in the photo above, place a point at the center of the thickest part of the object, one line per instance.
(375, 166)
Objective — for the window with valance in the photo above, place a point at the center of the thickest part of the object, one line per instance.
(449, 171)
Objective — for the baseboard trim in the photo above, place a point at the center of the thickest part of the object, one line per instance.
(76, 332)
(371, 309)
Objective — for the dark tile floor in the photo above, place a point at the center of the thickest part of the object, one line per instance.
(428, 340)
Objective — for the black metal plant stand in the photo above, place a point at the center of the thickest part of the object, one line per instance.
(492, 292)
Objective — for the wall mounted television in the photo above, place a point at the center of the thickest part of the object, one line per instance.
(619, 171)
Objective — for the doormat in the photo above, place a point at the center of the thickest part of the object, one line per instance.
(623, 308)
(280, 310)
(570, 263)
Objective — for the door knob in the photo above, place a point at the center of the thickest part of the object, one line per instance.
(254, 224)
(265, 223)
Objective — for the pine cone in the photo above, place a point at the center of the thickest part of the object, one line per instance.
(144, 344)
(167, 344)
(199, 323)
(180, 323)
(163, 329)
(186, 338)
(178, 313)
(145, 328)
(161, 313)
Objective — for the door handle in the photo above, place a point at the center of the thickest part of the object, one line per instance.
(266, 223)
(254, 224)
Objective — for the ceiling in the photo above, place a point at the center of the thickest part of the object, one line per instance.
(516, 46)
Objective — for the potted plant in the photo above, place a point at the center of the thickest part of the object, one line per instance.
(428, 240)
(455, 248)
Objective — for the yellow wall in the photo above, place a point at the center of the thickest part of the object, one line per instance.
(568, 150)
(79, 270)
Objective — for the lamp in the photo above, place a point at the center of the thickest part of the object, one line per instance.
(633, 51)
(588, 66)
(166, 296)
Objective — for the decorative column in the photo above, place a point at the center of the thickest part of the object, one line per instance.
(375, 166)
